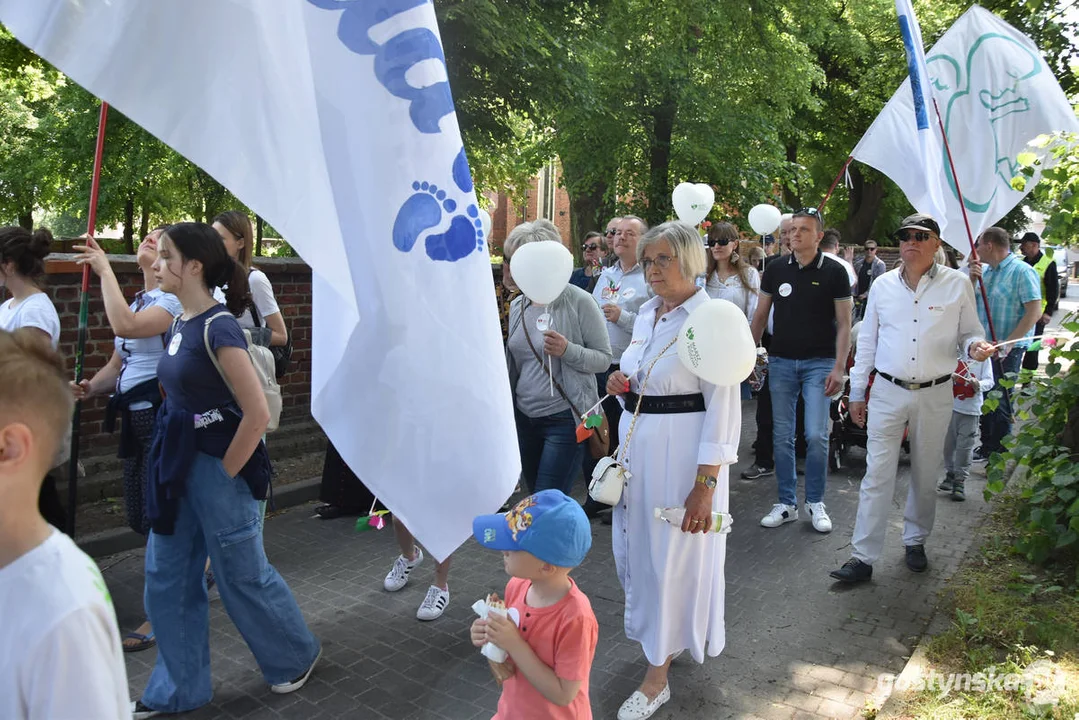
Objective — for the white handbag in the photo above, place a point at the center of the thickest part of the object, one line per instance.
(611, 476)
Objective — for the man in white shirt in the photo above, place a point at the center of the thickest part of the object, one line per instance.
(829, 245)
(918, 320)
(60, 653)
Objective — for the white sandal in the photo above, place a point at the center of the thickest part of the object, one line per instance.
(637, 707)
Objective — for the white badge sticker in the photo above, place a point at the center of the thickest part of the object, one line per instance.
(543, 322)
(785, 290)
(174, 346)
(629, 293)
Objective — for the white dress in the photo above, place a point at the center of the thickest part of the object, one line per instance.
(673, 581)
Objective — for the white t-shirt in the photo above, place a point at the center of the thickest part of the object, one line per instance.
(261, 295)
(60, 654)
(35, 311)
(853, 276)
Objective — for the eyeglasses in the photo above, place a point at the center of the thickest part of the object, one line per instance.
(609, 233)
(722, 242)
(590, 246)
(913, 236)
(661, 261)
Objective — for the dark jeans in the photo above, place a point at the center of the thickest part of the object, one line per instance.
(1030, 360)
(550, 453)
(613, 411)
(997, 424)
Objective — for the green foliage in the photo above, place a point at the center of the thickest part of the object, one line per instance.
(1046, 446)
(1057, 191)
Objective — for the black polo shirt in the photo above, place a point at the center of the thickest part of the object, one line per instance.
(804, 299)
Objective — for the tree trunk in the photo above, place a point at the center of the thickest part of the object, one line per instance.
(129, 226)
(791, 195)
(659, 161)
(26, 220)
(862, 207)
(144, 211)
(586, 206)
(258, 236)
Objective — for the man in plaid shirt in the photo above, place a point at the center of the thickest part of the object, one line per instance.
(1015, 299)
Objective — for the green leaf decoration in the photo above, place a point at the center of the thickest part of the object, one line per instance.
(592, 422)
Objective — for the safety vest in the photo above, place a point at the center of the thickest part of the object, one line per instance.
(1040, 267)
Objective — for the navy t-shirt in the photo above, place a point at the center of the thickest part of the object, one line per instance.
(188, 376)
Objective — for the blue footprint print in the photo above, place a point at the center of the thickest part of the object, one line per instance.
(425, 210)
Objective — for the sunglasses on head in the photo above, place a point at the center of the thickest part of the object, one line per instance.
(590, 246)
(722, 242)
(810, 211)
(913, 236)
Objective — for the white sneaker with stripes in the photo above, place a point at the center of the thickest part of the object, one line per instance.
(434, 604)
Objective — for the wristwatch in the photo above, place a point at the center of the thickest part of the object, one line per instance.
(708, 481)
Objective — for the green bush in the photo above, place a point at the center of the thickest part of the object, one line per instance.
(1046, 442)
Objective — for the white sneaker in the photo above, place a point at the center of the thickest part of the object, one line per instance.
(819, 516)
(637, 706)
(434, 604)
(397, 578)
(779, 515)
(293, 685)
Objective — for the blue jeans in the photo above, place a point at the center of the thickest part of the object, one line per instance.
(998, 424)
(786, 379)
(217, 517)
(550, 454)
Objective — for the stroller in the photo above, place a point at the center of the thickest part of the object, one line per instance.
(845, 433)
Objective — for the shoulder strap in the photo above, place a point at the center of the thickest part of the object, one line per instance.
(557, 386)
(210, 351)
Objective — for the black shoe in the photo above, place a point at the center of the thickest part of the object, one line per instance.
(592, 509)
(916, 559)
(757, 471)
(958, 493)
(853, 571)
(607, 518)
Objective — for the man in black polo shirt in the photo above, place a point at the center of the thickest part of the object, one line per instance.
(807, 357)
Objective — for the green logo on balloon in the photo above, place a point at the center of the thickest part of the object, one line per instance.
(689, 333)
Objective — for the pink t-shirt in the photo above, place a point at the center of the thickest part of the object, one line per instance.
(564, 638)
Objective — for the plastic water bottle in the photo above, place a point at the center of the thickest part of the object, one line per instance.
(721, 522)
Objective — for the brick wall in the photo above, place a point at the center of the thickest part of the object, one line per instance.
(291, 280)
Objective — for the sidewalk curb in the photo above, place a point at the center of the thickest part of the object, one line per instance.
(118, 540)
(918, 664)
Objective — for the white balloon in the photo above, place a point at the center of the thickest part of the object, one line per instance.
(485, 220)
(692, 202)
(715, 343)
(764, 218)
(542, 270)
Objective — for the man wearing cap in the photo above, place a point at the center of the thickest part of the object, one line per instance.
(1045, 265)
(808, 358)
(868, 268)
(1015, 299)
(919, 320)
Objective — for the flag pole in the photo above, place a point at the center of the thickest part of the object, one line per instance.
(966, 220)
(84, 312)
(820, 208)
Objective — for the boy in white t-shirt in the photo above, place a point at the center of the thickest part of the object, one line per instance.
(60, 656)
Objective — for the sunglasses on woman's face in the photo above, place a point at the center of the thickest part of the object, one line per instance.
(590, 247)
(722, 242)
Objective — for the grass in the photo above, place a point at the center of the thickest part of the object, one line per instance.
(1016, 624)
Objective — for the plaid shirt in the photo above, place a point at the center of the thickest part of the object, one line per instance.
(1009, 285)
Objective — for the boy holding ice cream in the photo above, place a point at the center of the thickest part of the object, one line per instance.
(542, 539)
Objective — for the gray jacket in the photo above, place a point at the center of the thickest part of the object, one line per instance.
(574, 315)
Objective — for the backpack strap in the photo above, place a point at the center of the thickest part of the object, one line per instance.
(255, 316)
(210, 351)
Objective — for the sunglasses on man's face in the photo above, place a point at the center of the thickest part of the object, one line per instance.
(722, 242)
(590, 247)
(913, 236)
(611, 232)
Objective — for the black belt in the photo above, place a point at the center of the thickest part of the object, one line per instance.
(665, 404)
(915, 385)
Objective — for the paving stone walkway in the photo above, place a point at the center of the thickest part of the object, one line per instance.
(798, 646)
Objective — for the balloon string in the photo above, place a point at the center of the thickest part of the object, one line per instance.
(1011, 342)
(590, 410)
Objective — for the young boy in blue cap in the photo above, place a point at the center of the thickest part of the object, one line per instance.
(542, 539)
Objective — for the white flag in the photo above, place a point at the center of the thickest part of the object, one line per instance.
(333, 120)
(996, 94)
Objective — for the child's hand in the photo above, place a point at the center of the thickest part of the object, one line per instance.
(479, 633)
(503, 633)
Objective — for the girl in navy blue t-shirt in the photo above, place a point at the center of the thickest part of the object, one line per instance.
(208, 467)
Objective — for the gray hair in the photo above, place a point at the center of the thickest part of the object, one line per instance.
(684, 241)
(640, 221)
(535, 231)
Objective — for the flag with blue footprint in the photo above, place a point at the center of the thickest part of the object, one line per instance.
(334, 120)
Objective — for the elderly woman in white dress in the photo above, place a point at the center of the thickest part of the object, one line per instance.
(729, 276)
(682, 445)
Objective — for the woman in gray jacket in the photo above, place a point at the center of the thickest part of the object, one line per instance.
(571, 335)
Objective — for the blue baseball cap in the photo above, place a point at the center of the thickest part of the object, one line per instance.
(550, 525)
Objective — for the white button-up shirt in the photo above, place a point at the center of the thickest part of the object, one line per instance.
(627, 289)
(915, 334)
